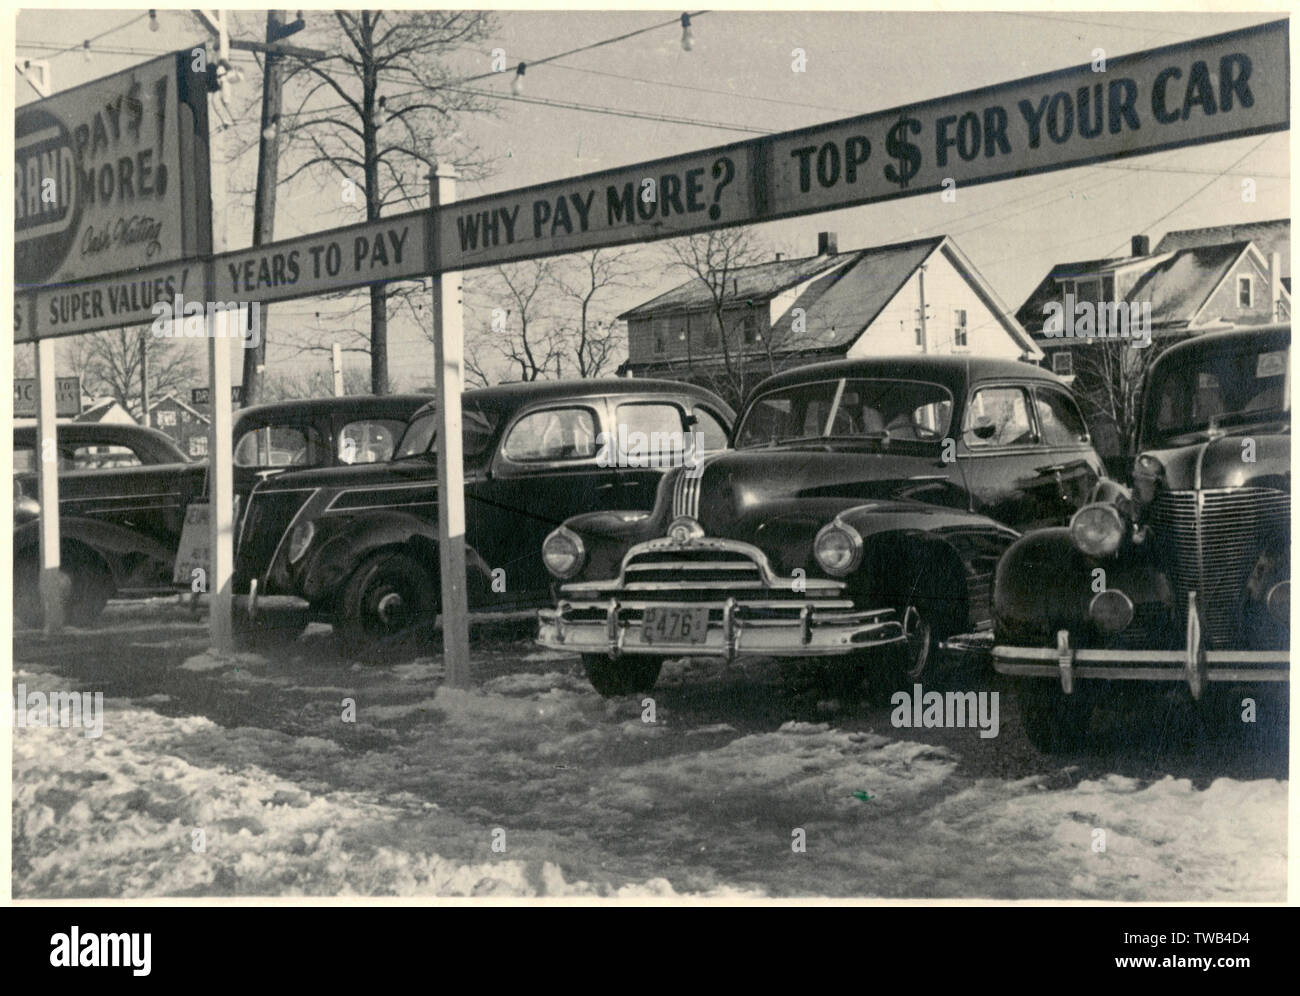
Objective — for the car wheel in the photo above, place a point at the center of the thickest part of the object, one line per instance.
(1053, 721)
(898, 666)
(86, 584)
(625, 676)
(383, 604)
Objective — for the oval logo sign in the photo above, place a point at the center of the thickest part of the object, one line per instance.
(47, 196)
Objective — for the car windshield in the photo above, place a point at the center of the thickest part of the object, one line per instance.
(1216, 390)
(847, 409)
(477, 428)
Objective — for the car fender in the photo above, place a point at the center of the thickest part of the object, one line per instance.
(333, 559)
(1044, 584)
(116, 546)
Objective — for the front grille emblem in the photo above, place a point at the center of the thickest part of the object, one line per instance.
(684, 530)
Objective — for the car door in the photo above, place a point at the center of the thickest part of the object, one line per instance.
(1074, 462)
(547, 467)
(1010, 472)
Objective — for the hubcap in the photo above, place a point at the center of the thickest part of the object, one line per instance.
(389, 608)
(917, 631)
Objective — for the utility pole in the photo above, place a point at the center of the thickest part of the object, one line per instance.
(268, 176)
(144, 377)
(925, 340)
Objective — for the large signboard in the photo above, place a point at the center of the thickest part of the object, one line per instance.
(67, 397)
(1210, 89)
(368, 253)
(110, 176)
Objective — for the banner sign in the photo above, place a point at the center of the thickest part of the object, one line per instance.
(112, 175)
(368, 253)
(67, 397)
(1209, 89)
(111, 302)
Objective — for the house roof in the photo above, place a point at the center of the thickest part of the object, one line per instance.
(100, 410)
(1269, 237)
(171, 396)
(1180, 285)
(761, 281)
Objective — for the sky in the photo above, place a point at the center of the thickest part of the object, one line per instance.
(738, 82)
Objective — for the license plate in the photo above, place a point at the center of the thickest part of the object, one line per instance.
(675, 624)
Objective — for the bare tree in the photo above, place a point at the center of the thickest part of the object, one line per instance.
(382, 111)
(511, 316)
(108, 364)
(712, 259)
(1108, 377)
(592, 335)
(316, 384)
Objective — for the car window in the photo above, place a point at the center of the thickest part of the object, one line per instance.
(97, 458)
(845, 409)
(555, 434)
(654, 432)
(998, 416)
(1059, 418)
(477, 427)
(369, 440)
(24, 459)
(281, 446)
(710, 432)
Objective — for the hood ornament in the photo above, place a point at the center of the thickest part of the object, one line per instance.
(684, 530)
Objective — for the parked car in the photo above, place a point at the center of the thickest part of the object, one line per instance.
(1186, 576)
(93, 446)
(120, 528)
(860, 517)
(360, 544)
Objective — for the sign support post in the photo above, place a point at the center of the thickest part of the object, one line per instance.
(448, 356)
(51, 577)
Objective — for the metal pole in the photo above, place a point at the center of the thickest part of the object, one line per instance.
(448, 354)
(338, 370)
(221, 495)
(51, 578)
(50, 581)
(144, 377)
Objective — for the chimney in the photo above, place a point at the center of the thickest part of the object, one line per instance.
(778, 257)
(1141, 245)
(1275, 285)
(827, 244)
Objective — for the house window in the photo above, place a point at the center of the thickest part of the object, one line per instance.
(1063, 363)
(1108, 289)
(920, 337)
(162, 418)
(1244, 292)
(959, 327)
(659, 341)
(1087, 290)
(749, 329)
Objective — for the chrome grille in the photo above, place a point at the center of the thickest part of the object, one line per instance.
(722, 568)
(1209, 542)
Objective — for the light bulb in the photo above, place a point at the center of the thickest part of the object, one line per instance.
(517, 86)
(688, 39)
(153, 20)
(85, 50)
(235, 75)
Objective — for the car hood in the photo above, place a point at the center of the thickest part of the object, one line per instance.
(737, 485)
(1257, 456)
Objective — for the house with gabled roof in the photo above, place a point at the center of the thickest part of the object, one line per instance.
(921, 296)
(1201, 280)
(183, 422)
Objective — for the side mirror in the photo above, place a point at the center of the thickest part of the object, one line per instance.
(984, 428)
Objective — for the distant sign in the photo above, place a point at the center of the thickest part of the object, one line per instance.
(203, 395)
(193, 553)
(112, 175)
(67, 397)
(368, 253)
(1208, 89)
(109, 302)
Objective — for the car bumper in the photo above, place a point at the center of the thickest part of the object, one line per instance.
(1194, 664)
(737, 627)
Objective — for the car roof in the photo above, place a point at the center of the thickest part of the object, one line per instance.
(106, 434)
(508, 397)
(953, 372)
(399, 405)
(1269, 334)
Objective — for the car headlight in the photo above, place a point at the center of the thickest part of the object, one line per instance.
(300, 539)
(563, 553)
(1097, 529)
(838, 548)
